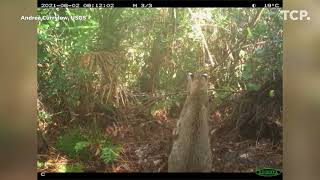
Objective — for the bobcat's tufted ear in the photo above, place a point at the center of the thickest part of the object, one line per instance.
(205, 76)
(190, 76)
(189, 81)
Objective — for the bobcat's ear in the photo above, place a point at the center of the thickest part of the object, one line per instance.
(190, 76)
(189, 81)
(205, 76)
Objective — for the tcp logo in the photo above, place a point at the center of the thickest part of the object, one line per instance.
(296, 15)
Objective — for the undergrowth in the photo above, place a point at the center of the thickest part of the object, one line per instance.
(86, 146)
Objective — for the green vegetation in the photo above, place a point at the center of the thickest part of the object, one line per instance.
(79, 145)
(245, 45)
(109, 153)
(77, 167)
(74, 144)
(40, 164)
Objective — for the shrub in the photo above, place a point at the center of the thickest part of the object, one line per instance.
(77, 167)
(109, 152)
(74, 144)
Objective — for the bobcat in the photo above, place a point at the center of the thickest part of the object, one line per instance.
(191, 151)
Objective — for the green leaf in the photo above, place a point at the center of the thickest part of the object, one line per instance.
(39, 164)
(109, 153)
(81, 145)
(77, 167)
(249, 32)
(271, 93)
(252, 86)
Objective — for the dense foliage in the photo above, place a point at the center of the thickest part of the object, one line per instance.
(116, 59)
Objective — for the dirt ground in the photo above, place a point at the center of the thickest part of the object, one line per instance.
(146, 145)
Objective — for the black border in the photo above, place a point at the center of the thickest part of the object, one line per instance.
(161, 3)
(156, 176)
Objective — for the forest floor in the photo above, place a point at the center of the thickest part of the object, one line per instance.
(146, 145)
